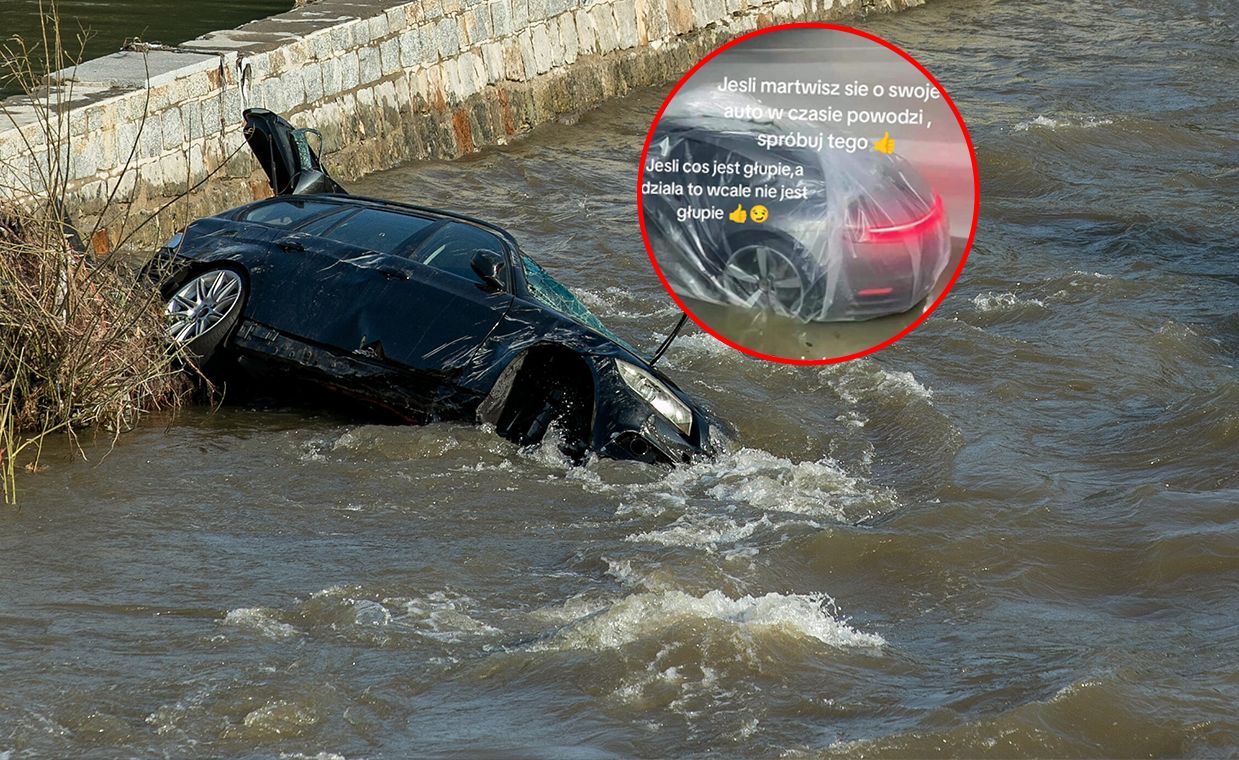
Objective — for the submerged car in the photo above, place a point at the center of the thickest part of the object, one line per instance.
(837, 236)
(424, 314)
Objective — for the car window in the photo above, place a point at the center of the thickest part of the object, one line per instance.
(451, 249)
(378, 231)
(287, 213)
(322, 224)
(550, 292)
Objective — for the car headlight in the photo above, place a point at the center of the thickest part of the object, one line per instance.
(657, 394)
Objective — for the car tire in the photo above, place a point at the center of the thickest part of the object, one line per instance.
(764, 270)
(203, 310)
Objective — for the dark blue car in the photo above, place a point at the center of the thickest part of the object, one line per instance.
(420, 313)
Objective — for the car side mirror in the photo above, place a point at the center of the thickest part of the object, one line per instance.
(488, 266)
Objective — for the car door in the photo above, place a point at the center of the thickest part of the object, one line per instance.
(461, 309)
(351, 290)
(309, 286)
(395, 286)
(285, 265)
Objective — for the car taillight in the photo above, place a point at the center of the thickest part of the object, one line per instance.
(897, 233)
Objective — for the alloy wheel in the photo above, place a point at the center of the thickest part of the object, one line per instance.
(202, 303)
(761, 276)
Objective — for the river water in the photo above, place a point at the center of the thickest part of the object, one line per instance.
(1014, 533)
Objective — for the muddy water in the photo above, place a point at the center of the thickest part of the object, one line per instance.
(1015, 533)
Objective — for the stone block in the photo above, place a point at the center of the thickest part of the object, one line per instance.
(514, 60)
(342, 37)
(625, 13)
(520, 15)
(413, 47)
(371, 68)
(397, 19)
(541, 48)
(537, 10)
(492, 58)
(209, 108)
(605, 28)
(231, 107)
(472, 72)
(312, 82)
(172, 124)
(389, 55)
(324, 46)
(447, 37)
(567, 36)
(706, 12)
(424, 10)
(656, 23)
(478, 24)
(376, 27)
(528, 57)
(586, 32)
(173, 171)
(350, 71)
(193, 121)
(197, 162)
(84, 159)
(501, 17)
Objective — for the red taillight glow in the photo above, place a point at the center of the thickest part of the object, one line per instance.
(871, 292)
(897, 233)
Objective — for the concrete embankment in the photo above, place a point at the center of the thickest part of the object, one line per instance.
(385, 81)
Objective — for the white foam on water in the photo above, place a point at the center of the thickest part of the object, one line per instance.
(1049, 122)
(261, 620)
(278, 717)
(303, 756)
(765, 482)
(442, 615)
(707, 531)
(650, 614)
(616, 302)
(1003, 302)
(861, 382)
(370, 612)
(622, 571)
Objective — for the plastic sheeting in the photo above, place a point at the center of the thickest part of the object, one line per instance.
(764, 214)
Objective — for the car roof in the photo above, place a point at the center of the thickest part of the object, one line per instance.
(389, 205)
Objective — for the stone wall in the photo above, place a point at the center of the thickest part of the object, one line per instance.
(385, 81)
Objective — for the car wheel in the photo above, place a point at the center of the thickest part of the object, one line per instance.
(767, 272)
(203, 310)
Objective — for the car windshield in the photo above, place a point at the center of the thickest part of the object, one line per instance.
(552, 293)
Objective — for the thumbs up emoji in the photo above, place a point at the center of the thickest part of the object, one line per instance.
(739, 215)
(885, 145)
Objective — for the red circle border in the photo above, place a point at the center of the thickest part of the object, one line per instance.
(976, 193)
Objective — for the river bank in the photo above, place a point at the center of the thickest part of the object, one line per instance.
(384, 81)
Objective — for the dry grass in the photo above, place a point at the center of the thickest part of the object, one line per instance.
(82, 339)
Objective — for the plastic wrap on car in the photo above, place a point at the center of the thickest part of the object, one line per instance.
(813, 257)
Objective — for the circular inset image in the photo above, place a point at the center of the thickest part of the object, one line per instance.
(808, 193)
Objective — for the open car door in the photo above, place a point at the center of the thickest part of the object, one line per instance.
(284, 153)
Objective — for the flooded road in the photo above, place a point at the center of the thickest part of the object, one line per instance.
(1013, 533)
